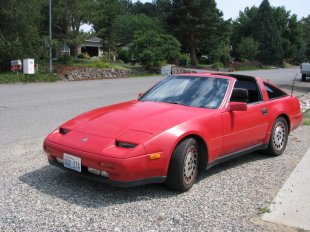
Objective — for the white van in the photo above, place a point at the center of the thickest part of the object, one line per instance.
(305, 71)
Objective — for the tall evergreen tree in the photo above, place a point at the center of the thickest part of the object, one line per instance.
(104, 14)
(195, 21)
(306, 31)
(268, 35)
(291, 33)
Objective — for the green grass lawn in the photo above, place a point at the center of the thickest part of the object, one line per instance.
(306, 120)
(12, 77)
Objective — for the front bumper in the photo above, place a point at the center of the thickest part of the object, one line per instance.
(121, 172)
(105, 180)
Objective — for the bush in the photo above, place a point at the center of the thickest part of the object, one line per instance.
(154, 49)
(83, 56)
(98, 64)
(66, 59)
(218, 65)
(184, 60)
(220, 54)
(247, 49)
(124, 55)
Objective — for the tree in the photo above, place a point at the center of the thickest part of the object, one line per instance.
(127, 25)
(159, 9)
(243, 27)
(268, 35)
(247, 49)
(67, 18)
(153, 49)
(306, 30)
(196, 23)
(147, 8)
(104, 14)
(19, 31)
(291, 33)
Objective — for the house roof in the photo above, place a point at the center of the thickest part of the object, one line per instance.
(92, 42)
(94, 39)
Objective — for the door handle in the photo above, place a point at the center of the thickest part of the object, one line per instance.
(264, 111)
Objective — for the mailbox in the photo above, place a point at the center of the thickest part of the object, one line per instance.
(16, 65)
(166, 70)
(16, 62)
(28, 66)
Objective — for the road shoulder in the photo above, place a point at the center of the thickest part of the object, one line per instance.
(292, 204)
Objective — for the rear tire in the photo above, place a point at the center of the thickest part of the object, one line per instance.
(278, 137)
(303, 77)
(183, 167)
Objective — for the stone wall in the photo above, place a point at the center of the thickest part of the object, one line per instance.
(82, 73)
(305, 102)
(177, 69)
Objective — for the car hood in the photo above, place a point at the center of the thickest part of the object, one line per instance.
(138, 116)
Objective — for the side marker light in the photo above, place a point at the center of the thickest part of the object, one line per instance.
(154, 156)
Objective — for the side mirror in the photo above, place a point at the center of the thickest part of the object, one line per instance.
(237, 106)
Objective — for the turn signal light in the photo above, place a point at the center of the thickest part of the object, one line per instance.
(154, 156)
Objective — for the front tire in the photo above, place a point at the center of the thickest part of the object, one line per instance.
(278, 138)
(303, 77)
(183, 167)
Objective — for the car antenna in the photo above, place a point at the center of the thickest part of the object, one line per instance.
(293, 84)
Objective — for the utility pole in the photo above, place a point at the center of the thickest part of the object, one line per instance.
(50, 37)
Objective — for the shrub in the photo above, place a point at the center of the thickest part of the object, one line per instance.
(218, 65)
(66, 59)
(98, 64)
(124, 55)
(83, 56)
(154, 49)
(248, 49)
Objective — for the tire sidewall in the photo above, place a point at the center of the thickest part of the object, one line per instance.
(272, 149)
(194, 143)
(175, 179)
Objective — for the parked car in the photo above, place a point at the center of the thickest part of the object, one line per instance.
(305, 71)
(184, 124)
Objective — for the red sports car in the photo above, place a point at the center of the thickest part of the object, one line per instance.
(184, 124)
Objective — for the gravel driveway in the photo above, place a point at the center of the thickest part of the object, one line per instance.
(230, 197)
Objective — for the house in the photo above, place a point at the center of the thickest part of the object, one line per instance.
(92, 46)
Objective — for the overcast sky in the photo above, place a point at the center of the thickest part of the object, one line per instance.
(231, 8)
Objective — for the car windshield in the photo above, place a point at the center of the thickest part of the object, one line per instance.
(205, 92)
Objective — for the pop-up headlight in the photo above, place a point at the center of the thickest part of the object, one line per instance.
(125, 144)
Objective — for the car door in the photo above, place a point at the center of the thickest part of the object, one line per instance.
(245, 129)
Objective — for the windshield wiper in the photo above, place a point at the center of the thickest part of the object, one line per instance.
(175, 103)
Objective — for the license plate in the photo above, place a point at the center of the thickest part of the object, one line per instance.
(72, 162)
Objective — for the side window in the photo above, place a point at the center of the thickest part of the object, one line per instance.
(252, 87)
(273, 92)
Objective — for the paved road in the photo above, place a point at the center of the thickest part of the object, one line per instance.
(283, 78)
(33, 110)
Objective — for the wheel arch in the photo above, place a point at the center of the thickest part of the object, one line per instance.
(287, 119)
(203, 149)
